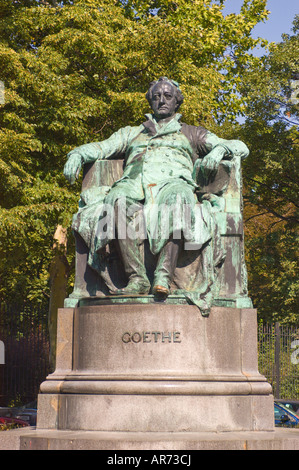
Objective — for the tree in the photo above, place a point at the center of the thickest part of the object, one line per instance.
(75, 71)
(271, 180)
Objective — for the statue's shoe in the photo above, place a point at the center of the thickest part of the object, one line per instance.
(161, 291)
(134, 288)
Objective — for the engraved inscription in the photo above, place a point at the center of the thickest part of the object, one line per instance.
(151, 337)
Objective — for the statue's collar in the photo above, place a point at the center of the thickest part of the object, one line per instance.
(153, 127)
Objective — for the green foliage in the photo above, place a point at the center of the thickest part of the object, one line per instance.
(76, 71)
(273, 273)
(271, 181)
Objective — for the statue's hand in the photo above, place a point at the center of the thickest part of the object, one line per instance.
(72, 167)
(210, 162)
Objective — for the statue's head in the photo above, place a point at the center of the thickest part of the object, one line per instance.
(164, 97)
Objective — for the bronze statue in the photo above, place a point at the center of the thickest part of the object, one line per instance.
(167, 163)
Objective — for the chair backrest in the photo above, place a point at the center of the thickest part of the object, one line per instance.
(101, 173)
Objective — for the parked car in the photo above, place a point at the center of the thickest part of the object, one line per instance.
(7, 421)
(25, 413)
(284, 416)
(292, 405)
(5, 412)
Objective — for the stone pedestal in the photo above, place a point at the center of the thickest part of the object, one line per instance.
(156, 368)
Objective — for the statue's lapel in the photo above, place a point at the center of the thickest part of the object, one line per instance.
(154, 129)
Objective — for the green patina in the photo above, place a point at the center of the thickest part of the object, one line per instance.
(167, 164)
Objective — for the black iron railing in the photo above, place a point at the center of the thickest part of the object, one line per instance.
(24, 334)
(278, 347)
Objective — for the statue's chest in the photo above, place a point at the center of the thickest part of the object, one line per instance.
(145, 145)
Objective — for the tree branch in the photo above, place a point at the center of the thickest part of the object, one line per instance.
(255, 215)
(274, 190)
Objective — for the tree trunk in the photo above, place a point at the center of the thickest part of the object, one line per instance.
(59, 272)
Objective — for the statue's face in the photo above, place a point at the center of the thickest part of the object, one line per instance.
(164, 102)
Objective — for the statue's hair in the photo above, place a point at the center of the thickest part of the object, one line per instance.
(178, 93)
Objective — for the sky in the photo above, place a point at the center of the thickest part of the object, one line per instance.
(279, 20)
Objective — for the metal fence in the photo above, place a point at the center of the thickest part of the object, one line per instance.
(24, 340)
(278, 356)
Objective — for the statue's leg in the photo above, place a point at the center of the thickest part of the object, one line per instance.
(165, 268)
(86, 279)
(138, 282)
(132, 259)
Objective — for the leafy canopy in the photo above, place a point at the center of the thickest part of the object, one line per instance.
(76, 71)
(271, 179)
